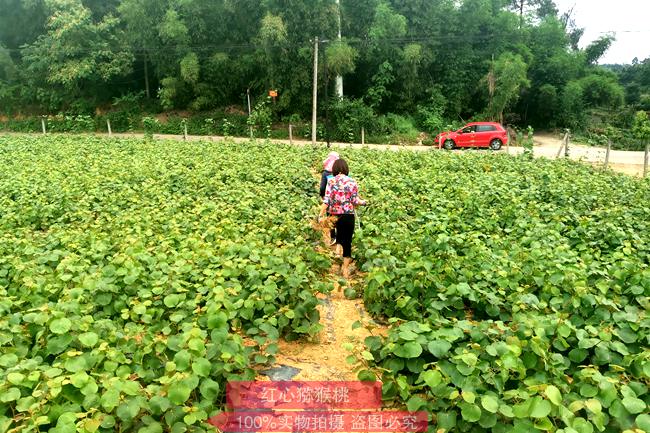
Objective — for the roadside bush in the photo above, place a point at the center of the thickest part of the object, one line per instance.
(430, 116)
(347, 117)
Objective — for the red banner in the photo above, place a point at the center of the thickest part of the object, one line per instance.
(303, 395)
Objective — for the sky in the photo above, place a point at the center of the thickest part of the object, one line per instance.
(628, 19)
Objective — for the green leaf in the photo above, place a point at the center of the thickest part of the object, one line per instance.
(128, 410)
(12, 394)
(410, 349)
(201, 367)
(179, 393)
(89, 339)
(432, 378)
(172, 300)
(633, 405)
(182, 360)
(470, 412)
(593, 405)
(643, 422)
(468, 396)
(446, 420)
(489, 403)
(60, 326)
(539, 408)
(15, 378)
(110, 399)
(209, 389)
(159, 404)
(8, 360)
(553, 394)
(415, 403)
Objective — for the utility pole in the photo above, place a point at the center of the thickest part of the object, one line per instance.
(314, 111)
(339, 79)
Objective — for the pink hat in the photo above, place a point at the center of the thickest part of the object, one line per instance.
(329, 162)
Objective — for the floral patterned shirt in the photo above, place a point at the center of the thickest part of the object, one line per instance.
(342, 195)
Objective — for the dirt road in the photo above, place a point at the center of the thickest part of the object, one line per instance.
(622, 161)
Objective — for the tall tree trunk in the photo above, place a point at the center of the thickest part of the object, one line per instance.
(146, 77)
(521, 13)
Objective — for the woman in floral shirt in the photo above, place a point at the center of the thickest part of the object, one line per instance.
(341, 198)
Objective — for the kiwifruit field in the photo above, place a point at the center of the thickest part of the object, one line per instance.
(138, 277)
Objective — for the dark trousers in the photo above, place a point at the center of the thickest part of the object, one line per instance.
(344, 233)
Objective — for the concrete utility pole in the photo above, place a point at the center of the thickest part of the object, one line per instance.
(339, 79)
(314, 111)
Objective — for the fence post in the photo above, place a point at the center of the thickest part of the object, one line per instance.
(290, 133)
(185, 130)
(108, 124)
(43, 124)
(507, 142)
(609, 148)
(363, 136)
(645, 159)
(566, 146)
(559, 152)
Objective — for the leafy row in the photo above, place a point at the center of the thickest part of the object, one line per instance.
(519, 291)
(136, 278)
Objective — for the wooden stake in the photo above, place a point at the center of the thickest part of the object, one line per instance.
(290, 133)
(108, 124)
(566, 145)
(645, 159)
(185, 131)
(609, 148)
(559, 152)
(363, 136)
(43, 125)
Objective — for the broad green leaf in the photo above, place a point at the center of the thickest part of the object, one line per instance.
(11, 394)
(410, 349)
(60, 326)
(432, 378)
(489, 403)
(89, 339)
(633, 405)
(553, 394)
(178, 393)
(470, 412)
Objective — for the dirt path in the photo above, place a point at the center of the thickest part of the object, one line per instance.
(325, 358)
(622, 161)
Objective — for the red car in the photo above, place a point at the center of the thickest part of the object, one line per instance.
(475, 134)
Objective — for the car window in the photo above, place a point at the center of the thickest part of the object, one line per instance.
(468, 129)
(485, 128)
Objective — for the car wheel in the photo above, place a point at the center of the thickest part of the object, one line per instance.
(496, 144)
(449, 144)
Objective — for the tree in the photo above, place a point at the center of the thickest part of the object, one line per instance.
(598, 48)
(8, 75)
(543, 8)
(602, 90)
(505, 80)
(75, 52)
(341, 58)
(641, 126)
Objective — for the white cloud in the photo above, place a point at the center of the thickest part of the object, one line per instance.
(628, 19)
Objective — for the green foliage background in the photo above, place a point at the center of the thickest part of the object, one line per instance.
(397, 56)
